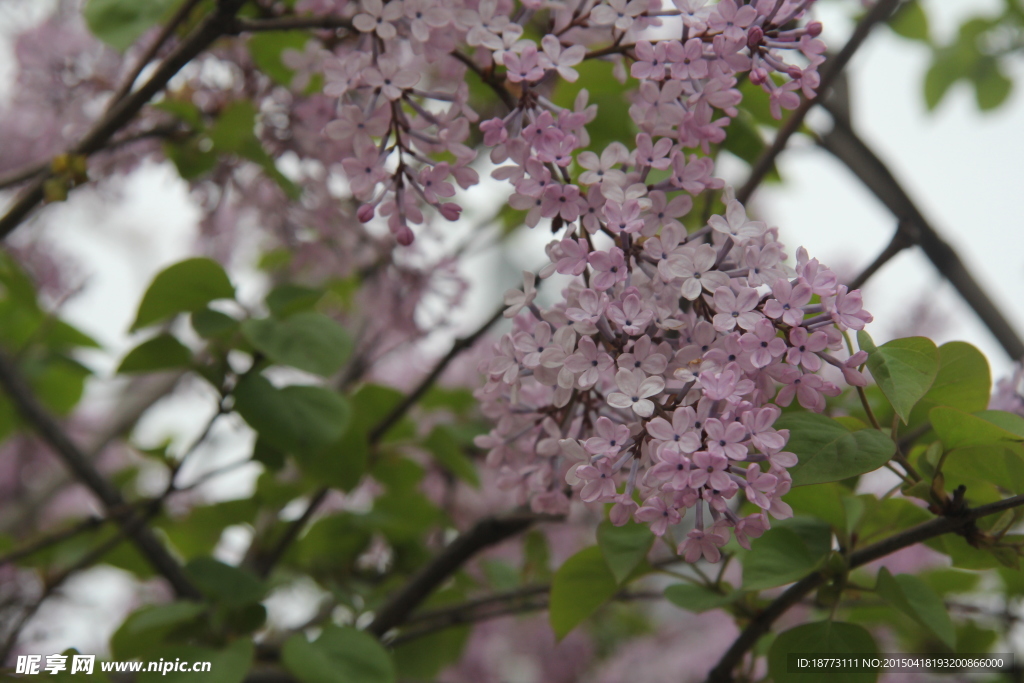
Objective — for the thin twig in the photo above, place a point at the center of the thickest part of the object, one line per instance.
(52, 583)
(212, 27)
(520, 606)
(150, 54)
(460, 345)
(33, 170)
(485, 533)
(843, 143)
(44, 542)
(900, 240)
(149, 545)
(829, 71)
(328, 22)
(722, 673)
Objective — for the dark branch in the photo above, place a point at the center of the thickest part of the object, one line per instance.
(44, 542)
(33, 412)
(290, 24)
(416, 394)
(123, 111)
(151, 52)
(485, 533)
(829, 71)
(722, 673)
(500, 608)
(845, 145)
(30, 172)
(900, 240)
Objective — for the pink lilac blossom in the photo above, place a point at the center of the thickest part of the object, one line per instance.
(680, 345)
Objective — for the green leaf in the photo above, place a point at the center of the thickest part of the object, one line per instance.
(744, 140)
(422, 658)
(581, 585)
(459, 401)
(883, 518)
(402, 516)
(697, 599)
(183, 287)
(785, 553)
(331, 546)
(624, 547)
(210, 324)
(963, 381)
(958, 429)
(295, 419)
(981, 469)
(991, 86)
(910, 21)
(445, 447)
(339, 655)
(287, 299)
(147, 628)
(824, 501)
(308, 341)
(962, 553)
(942, 74)
(162, 352)
(229, 665)
(821, 638)
(266, 49)
(183, 110)
(828, 451)
(119, 23)
(234, 133)
(916, 599)
(223, 583)
(58, 381)
(903, 368)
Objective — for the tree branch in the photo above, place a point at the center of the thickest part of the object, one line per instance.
(290, 24)
(830, 70)
(33, 412)
(217, 24)
(165, 33)
(264, 565)
(760, 625)
(44, 542)
(539, 600)
(843, 143)
(485, 533)
(460, 345)
(901, 240)
(33, 170)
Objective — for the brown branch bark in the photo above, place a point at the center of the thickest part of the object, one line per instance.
(151, 52)
(843, 143)
(485, 533)
(121, 112)
(46, 426)
(829, 72)
(264, 565)
(760, 625)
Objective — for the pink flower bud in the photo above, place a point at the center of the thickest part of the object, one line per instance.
(365, 212)
(404, 235)
(451, 211)
(754, 37)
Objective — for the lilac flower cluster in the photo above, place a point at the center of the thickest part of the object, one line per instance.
(661, 371)
(397, 118)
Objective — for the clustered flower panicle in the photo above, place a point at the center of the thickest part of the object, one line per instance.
(395, 122)
(661, 372)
